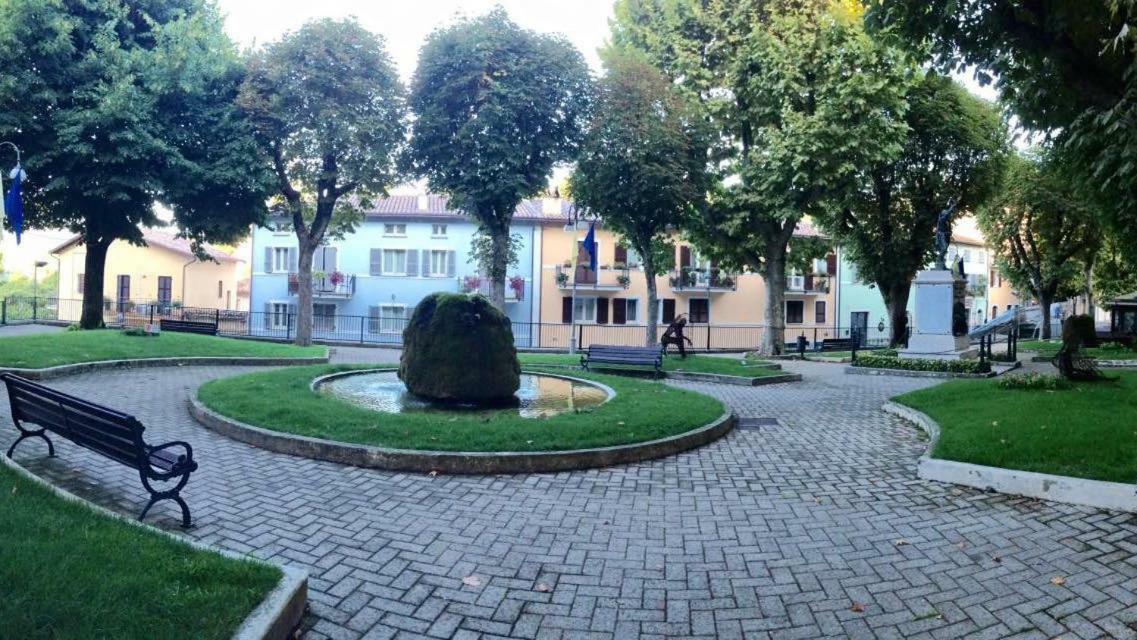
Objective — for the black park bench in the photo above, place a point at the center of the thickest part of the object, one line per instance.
(189, 326)
(603, 354)
(112, 434)
(837, 344)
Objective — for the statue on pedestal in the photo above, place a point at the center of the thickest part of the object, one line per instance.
(943, 235)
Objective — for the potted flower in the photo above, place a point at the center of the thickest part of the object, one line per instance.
(562, 278)
(336, 278)
(624, 280)
(517, 285)
(471, 284)
(567, 264)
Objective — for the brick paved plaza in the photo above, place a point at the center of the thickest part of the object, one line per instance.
(779, 531)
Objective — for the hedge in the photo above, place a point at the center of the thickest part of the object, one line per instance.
(917, 364)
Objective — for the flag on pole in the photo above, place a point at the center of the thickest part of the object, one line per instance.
(589, 245)
(13, 202)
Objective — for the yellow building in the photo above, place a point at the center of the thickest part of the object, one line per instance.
(164, 272)
(616, 294)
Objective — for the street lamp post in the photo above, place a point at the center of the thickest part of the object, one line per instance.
(35, 286)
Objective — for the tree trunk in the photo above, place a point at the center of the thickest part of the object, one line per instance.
(774, 338)
(304, 292)
(1044, 302)
(94, 264)
(651, 339)
(1088, 279)
(499, 264)
(895, 296)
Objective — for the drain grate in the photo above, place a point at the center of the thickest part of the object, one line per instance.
(756, 423)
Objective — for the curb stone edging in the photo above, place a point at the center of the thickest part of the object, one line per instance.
(458, 462)
(1116, 496)
(910, 373)
(274, 618)
(1102, 364)
(59, 371)
(694, 376)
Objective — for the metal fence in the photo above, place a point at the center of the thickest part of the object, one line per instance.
(389, 330)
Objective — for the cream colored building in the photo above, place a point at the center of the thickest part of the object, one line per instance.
(165, 271)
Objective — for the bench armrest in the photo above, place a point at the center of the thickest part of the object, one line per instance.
(187, 457)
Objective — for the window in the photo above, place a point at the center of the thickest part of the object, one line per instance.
(633, 310)
(439, 262)
(795, 311)
(699, 310)
(584, 309)
(280, 261)
(391, 318)
(394, 262)
(982, 257)
(165, 289)
(282, 228)
(819, 312)
(795, 282)
(967, 255)
(394, 229)
(220, 289)
(324, 317)
(994, 312)
(667, 310)
(79, 285)
(438, 230)
(278, 315)
(123, 292)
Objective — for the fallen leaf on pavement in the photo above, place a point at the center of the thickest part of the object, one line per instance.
(857, 608)
(544, 588)
(1058, 581)
(472, 581)
(902, 542)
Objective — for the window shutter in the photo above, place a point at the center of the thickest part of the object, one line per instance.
(451, 263)
(685, 256)
(412, 262)
(376, 262)
(268, 259)
(619, 311)
(668, 309)
(602, 311)
(809, 282)
(566, 309)
(621, 254)
(427, 263)
(831, 264)
(819, 312)
(373, 317)
(291, 322)
(294, 260)
(331, 259)
(268, 315)
(79, 284)
(318, 260)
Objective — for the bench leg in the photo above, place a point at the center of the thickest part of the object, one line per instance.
(170, 494)
(24, 435)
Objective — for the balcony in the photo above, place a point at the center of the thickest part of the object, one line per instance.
(603, 279)
(807, 285)
(330, 286)
(514, 287)
(700, 279)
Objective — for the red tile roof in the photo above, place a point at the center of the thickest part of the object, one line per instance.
(164, 240)
(436, 206)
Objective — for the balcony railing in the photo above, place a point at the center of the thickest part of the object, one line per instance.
(699, 279)
(514, 287)
(603, 279)
(810, 284)
(332, 285)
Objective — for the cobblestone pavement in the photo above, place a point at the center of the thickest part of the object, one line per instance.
(815, 526)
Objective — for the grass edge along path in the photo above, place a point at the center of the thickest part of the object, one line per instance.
(1087, 431)
(71, 572)
(1049, 349)
(641, 411)
(694, 363)
(72, 347)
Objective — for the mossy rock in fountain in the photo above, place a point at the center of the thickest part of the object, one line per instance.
(459, 348)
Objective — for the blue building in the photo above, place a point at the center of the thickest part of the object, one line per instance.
(366, 284)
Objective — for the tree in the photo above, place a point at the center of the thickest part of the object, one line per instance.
(953, 153)
(330, 114)
(1040, 227)
(796, 121)
(496, 107)
(119, 108)
(1063, 66)
(643, 166)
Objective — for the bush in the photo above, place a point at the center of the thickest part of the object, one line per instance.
(1033, 382)
(138, 332)
(948, 366)
(888, 353)
(1115, 347)
(74, 326)
(1080, 328)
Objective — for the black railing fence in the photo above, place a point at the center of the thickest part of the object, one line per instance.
(388, 330)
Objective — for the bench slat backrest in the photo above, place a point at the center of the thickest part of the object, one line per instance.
(111, 433)
(188, 326)
(622, 354)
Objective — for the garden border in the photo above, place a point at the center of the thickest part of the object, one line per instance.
(1100, 494)
(58, 371)
(1102, 364)
(274, 618)
(458, 462)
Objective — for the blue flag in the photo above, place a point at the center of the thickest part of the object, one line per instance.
(590, 246)
(14, 204)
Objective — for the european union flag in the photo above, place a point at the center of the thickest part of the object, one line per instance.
(589, 245)
(14, 204)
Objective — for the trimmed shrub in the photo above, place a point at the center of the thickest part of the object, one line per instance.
(873, 361)
(1033, 382)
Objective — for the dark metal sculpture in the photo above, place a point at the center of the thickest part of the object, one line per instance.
(674, 335)
(943, 235)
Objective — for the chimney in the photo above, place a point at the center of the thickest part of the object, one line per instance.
(551, 206)
(423, 202)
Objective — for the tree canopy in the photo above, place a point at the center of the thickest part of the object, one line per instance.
(117, 108)
(496, 107)
(643, 166)
(329, 112)
(953, 153)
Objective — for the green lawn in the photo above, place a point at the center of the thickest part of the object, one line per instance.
(1087, 431)
(730, 366)
(281, 400)
(68, 572)
(1050, 348)
(69, 347)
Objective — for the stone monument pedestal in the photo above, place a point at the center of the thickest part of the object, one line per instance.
(937, 293)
